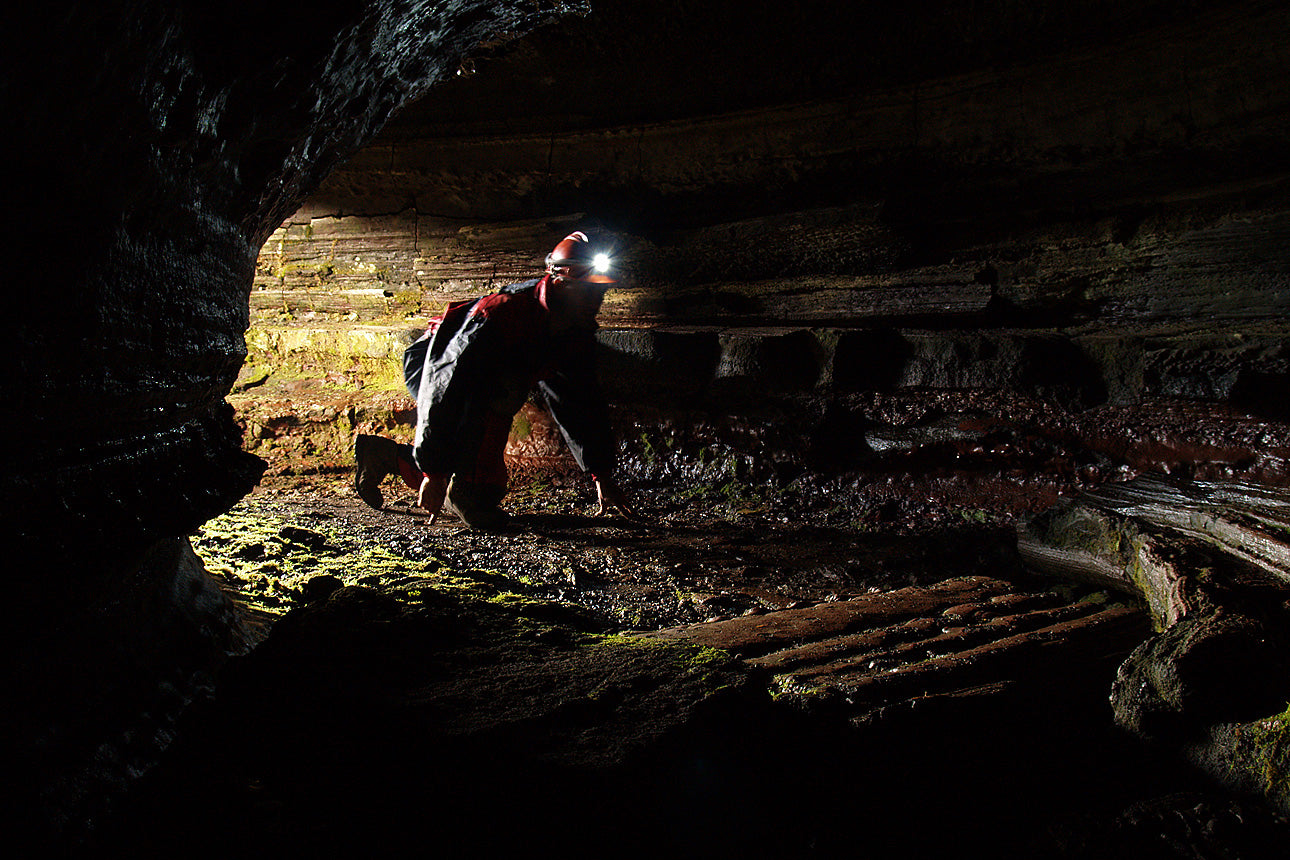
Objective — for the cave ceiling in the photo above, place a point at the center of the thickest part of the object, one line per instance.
(660, 116)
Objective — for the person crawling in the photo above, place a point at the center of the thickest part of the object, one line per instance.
(472, 371)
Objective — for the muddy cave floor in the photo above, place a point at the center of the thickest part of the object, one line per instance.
(357, 726)
(684, 558)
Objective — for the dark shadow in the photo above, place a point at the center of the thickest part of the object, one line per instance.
(870, 360)
(1263, 394)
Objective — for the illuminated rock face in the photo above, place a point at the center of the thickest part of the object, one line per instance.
(1077, 210)
(1112, 176)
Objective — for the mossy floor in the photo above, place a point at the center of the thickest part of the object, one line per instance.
(433, 689)
(687, 557)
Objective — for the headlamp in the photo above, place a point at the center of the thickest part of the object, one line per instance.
(596, 270)
(574, 259)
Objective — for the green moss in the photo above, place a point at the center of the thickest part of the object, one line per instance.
(789, 687)
(521, 427)
(1269, 741)
(701, 661)
(270, 559)
(648, 453)
(707, 658)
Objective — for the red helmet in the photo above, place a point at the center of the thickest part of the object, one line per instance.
(577, 260)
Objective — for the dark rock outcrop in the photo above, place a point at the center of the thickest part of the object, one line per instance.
(158, 146)
(1212, 564)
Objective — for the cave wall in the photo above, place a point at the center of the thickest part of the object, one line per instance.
(180, 136)
(154, 147)
(1079, 205)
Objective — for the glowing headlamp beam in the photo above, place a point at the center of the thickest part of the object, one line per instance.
(601, 263)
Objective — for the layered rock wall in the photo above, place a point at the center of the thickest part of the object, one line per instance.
(1091, 216)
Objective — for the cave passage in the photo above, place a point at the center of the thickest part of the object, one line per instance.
(950, 370)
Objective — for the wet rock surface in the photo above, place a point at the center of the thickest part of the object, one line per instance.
(690, 557)
(697, 681)
(1210, 561)
(881, 655)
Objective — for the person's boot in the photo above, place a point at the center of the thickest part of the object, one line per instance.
(477, 505)
(374, 458)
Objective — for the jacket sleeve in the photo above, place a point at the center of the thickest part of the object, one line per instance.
(578, 406)
(414, 360)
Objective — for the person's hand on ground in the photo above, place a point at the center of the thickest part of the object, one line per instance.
(611, 498)
(434, 488)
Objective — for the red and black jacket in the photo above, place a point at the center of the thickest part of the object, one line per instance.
(480, 361)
